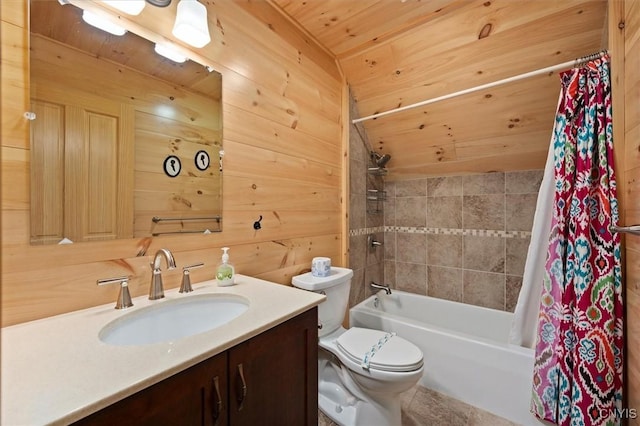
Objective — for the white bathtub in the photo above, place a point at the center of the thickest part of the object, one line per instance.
(466, 351)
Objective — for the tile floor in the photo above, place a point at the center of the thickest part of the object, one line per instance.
(424, 407)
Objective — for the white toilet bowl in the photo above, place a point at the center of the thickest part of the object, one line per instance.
(361, 372)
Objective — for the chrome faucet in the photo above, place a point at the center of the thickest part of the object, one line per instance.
(156, 291)
(384, 287)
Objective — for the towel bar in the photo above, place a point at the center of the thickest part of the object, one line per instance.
(633, 229)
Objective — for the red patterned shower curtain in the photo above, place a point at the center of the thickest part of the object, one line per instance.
(577, 376)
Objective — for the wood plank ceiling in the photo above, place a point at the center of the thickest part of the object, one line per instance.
(399, 52)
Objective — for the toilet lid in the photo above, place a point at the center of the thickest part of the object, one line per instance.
(379, 350)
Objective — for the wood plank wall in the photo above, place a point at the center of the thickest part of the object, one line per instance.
(157, 115)
(631, 197)
(283, 142)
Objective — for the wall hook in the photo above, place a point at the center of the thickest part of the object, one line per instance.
(256, 224)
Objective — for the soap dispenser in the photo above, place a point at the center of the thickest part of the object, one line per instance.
(225, 274)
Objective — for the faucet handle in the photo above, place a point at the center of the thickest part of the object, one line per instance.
(185, 286)
(124, 297)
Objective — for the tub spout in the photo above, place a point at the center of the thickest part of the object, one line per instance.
(372, 242)
(384, 287)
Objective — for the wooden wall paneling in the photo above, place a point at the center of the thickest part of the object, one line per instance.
(15, 91)
(628, 160)
(39, 281)
(274, 34)
(512, 143)
(280, 224)
(55, 65)
(253, 98)
(501, 163)
(17, 231)
(301, 85)
(15, 179)
(256, 130)
(248, 162)
(275, 21)
(446, 132)
(261, 193)
(633, 354)
(345, 199)
(632, 216)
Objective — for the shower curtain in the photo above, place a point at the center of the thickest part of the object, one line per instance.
(525, 315)
(577, 377)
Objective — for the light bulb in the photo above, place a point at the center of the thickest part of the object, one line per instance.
(191, 24)
(102, 23)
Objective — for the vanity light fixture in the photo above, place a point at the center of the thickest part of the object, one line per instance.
(191, 24)
(169, 53)
(130, 7)
(102, 23)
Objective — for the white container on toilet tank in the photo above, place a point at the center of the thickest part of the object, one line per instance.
(321, 266)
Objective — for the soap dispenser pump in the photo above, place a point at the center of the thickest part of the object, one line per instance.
(225, 274)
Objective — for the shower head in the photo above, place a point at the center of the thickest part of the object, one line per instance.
(380, 160)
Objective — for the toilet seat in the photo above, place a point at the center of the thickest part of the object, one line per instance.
(378, 350)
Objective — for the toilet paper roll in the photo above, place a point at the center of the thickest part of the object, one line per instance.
(320, 266)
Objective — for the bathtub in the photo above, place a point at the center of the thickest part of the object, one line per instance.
(466, 351)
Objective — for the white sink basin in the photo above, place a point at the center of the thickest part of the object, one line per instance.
(170, 320)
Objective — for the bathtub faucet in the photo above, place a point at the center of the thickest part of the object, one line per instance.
(384, 287)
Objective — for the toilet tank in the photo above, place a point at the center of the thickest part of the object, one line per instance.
(336, 287)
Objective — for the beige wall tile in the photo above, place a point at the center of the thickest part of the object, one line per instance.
(445, 186)
(411, 248)
(411, 277)
(444, 250)
(357, 251)
(520, 209)
(483, 212)
(483, 253)
(357, 211)
(488, 183)
(513, 285)
(411, 211)
(516, 252)
(484, 289)
(444, 283)
(411, 188)
(441, 233)
(444, 212)
(526, 182)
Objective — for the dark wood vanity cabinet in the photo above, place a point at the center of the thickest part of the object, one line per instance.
(270, 379)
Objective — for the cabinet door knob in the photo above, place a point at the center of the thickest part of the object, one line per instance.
(243, 393)
(217, 402)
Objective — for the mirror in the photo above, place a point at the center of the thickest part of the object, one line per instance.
(125, 143)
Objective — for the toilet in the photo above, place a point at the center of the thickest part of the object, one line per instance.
(361, 372)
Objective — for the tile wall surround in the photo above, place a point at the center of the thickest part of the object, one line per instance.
(462, 238)
(367, 264)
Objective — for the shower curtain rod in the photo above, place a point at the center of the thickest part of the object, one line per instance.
(564, 65)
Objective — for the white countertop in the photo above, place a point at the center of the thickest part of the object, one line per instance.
(56, 370)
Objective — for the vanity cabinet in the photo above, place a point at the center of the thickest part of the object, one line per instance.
(270, 379)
